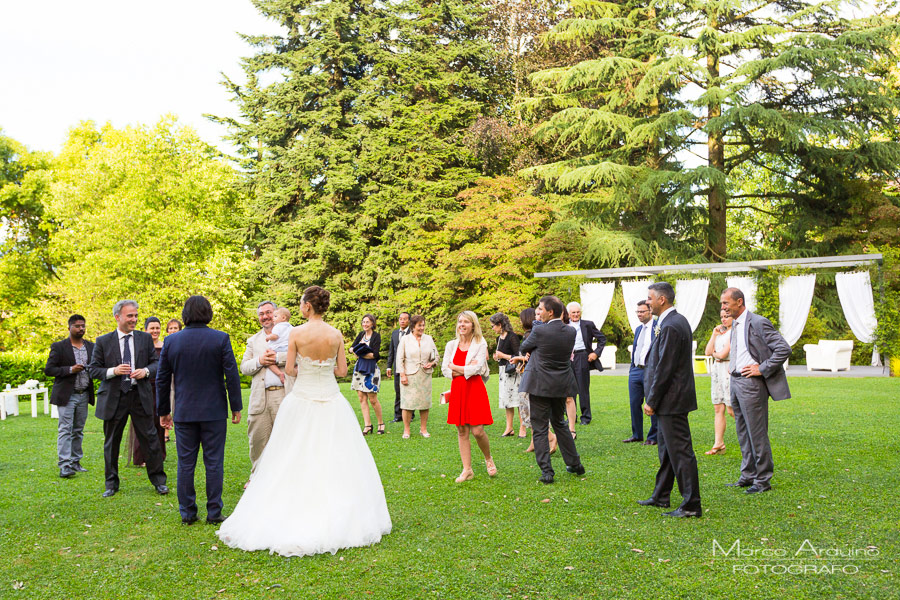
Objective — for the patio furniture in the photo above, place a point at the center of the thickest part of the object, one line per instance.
(829, 355)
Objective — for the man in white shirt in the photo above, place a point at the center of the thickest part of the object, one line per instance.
(584, 357)
(393, 344)
(266, 388)
(643, 337)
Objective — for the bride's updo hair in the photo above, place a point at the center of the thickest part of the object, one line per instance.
(319, 297)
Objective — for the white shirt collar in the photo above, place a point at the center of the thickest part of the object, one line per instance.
(121, 335)
(556, 319)
(664, 315)
(740, 319)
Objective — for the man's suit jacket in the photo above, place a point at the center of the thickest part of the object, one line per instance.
(202, 363)
(590, 333)
(669, 372)
(769, 349)
(637, 336)
(256, 347)
(392, 349)
(61, 358)
(551, 373)
(107, 355)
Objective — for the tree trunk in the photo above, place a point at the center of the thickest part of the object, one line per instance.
(715, 237)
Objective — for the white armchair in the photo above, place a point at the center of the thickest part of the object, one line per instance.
(608, 358)
(829, 355)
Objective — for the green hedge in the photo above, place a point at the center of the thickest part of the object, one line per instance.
(18, 367)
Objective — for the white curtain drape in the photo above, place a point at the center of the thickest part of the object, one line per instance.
(632, 292)
(855, 292)
(690, 299)
(748, 286)
(596, 298)
(795, 297)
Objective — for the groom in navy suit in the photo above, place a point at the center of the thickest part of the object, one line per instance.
(643, 338)
(201, 362)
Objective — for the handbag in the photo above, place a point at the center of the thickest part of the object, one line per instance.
(510, 368)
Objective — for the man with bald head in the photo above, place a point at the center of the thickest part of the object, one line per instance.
(585, 357)
(756, 364)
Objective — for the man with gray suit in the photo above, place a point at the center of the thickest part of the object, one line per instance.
(550, 381)
(758, 353)
(266, 389)
(669, 385)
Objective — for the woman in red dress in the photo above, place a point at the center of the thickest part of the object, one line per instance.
(465, 361)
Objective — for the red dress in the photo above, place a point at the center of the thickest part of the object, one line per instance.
(469, 404)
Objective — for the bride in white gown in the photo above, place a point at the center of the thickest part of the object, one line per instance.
(316, 488)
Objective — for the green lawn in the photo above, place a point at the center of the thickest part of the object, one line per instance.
(836, 483)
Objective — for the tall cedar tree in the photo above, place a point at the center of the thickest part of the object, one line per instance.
(791, 87)
(357, 144)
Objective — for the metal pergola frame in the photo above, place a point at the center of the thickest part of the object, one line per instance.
(822, 262)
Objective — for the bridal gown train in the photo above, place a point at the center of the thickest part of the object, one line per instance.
(316, 488)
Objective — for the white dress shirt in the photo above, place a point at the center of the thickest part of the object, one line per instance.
(579, 341)
(740, 353)
(110, 373)
(643, 345)
(664, 315)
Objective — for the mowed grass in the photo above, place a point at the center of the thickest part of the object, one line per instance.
(836, 454)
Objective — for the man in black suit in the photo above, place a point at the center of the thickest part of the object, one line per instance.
(202, 363)
(586, 356)
(669, 385)
(643, 339)
(402, 329)
(72, 392)
(124, 362)
(549, 382)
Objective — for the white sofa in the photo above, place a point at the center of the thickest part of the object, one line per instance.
(829, 355)
(608, 358)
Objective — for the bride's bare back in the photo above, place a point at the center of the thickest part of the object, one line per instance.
(316, 340)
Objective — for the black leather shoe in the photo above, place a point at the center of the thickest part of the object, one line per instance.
(649, 443)
(546, 479)
(162, 490)
(189, 521)
(110, 492)
(215, 520)
(653, 502)
(585, 422)
(739, 483)
(755, 489)
(679, 513)
(631, 440)
(79, 468)
(396, 420)
(67, 472)
(579, 470)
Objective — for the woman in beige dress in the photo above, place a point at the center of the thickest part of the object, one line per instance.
(416, 357)
(719, 347)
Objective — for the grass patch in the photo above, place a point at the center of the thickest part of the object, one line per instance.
(835, 447)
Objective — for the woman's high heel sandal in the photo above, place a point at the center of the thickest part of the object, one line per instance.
(380, 429)
(367, 430)
(465, 476)
(715, 450)
(491, 467)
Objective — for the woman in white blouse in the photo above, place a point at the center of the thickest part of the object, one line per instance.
(416, 357)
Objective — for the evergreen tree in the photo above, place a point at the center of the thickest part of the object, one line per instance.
(358, 145)
(791, 87)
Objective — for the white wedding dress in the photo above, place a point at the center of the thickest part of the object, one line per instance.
(316, 488)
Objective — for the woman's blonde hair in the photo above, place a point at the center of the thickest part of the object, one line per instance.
(472, 318)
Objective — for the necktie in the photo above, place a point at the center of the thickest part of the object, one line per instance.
(732, 351)
(126, 358)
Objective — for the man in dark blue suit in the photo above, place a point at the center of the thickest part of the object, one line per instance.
(201, 362)
(671, 394)
(643, 338)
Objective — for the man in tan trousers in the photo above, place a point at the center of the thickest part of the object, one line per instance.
(266, 390)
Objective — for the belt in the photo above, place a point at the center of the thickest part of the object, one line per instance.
(639, 366)
(577, 351)
(736, 374)
(81, 391)
(272, 388)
